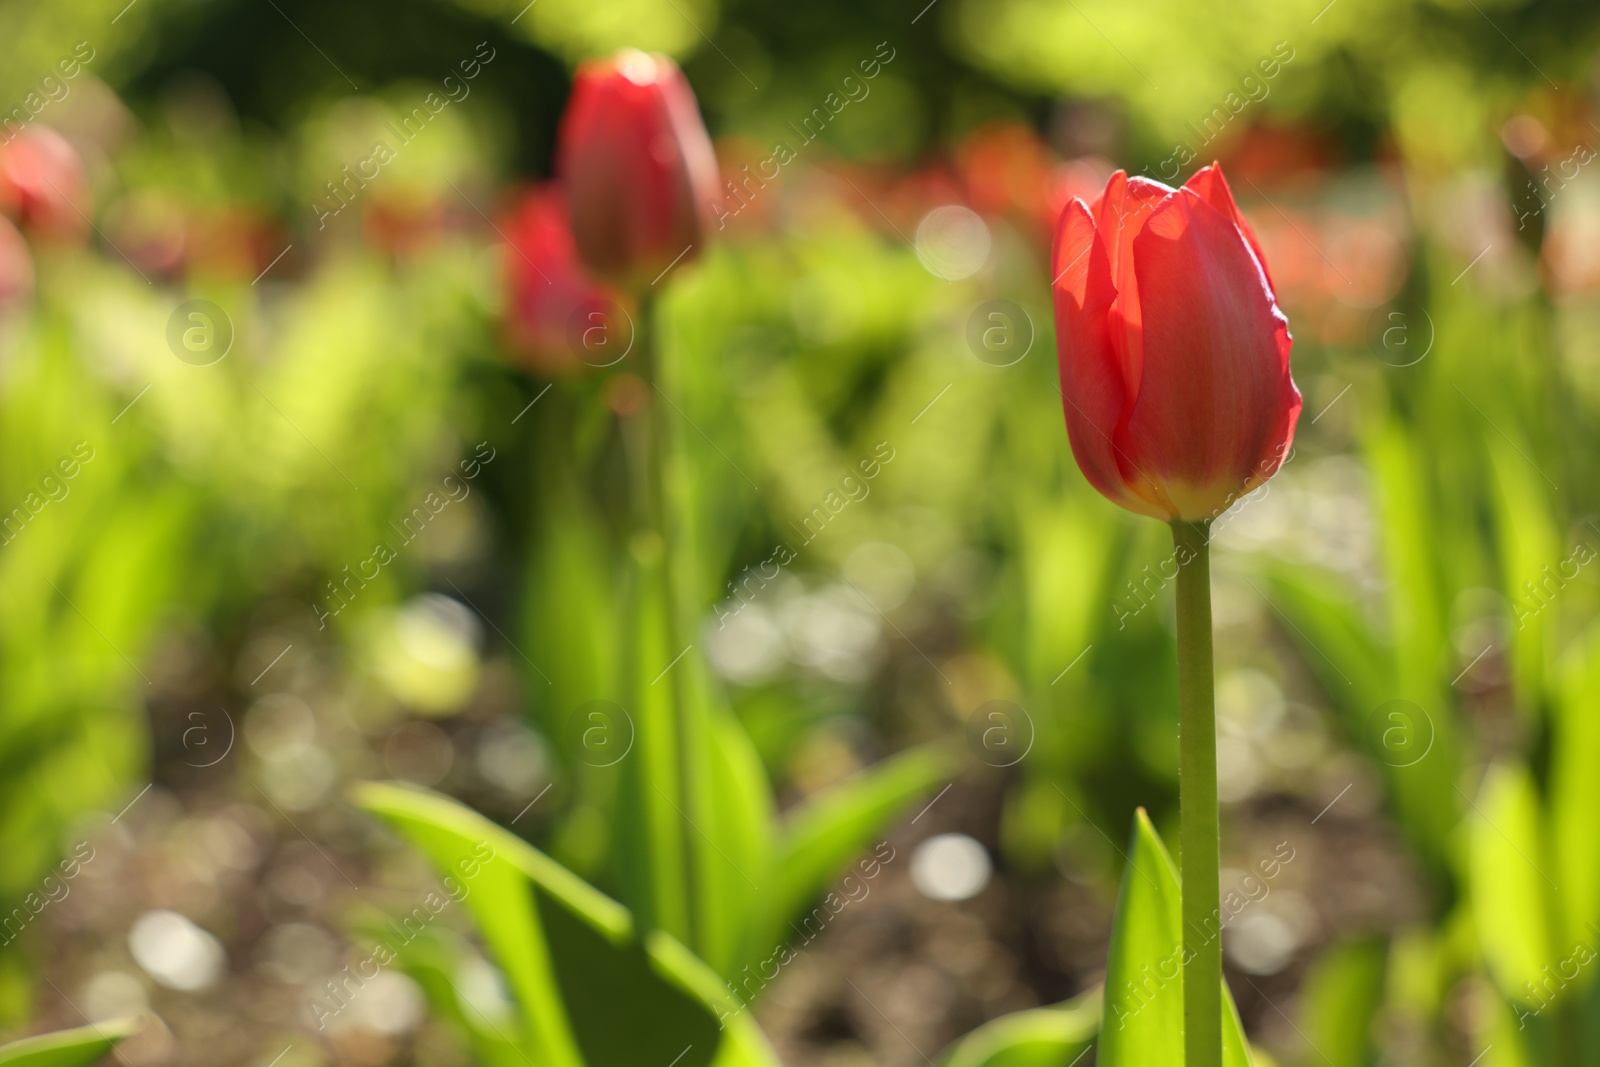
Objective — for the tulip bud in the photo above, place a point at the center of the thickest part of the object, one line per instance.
(42, 185)
(548, 290)
(637, 165)
(1174, 355)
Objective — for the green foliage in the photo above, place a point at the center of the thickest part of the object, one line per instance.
(592, 986)
(360, 375)
(68, 1048)
(1342, 995)
(1041, 1037)
(1508, 883)
(1143, 1019)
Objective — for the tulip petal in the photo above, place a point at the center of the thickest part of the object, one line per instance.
(1093, 393)
(1120, 213)
(1213, 188)
(1217, 405)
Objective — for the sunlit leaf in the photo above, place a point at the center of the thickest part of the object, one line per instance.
(1143, 1020)
(593, 990)
(733, 826)
(823, 834)
(1575, 791)
(1039, 1037)
(68, 1048)
(1509, 882)
(1531, 558)
(1341, 997)
(650, 853)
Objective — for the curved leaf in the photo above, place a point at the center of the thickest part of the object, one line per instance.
(826, 831)
(68, 1048)
(1143, 1021)
(1039, 1037)
(1359, 672)
(592, 990)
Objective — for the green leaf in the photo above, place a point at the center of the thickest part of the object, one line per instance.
(68, 1048)
(1143, 1022)
(435, 960)
(1411, 557)
(480, 855)
(1039, 1037)
(1575, 790)
(1530, 549)
(1335, 638)
(1359, 674)
(1066, 553)
(1509, 882)
(593, 989)
(826, 831)
(651, 823)
(1235, 1049)
(1341, 997)
(568, 614)
(734, 824)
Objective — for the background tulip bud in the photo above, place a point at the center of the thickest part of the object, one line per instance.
(637, 165)
(42, 185)
(547, 286)
(1174, 355)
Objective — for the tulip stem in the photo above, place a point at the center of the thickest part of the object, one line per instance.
(1199, 830)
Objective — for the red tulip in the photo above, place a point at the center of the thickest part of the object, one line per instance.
(637, 164)
(551, 297)
(42, 185)
(1174, 355)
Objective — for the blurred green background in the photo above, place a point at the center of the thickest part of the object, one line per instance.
(1407, 659)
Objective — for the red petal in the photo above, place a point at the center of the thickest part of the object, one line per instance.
(1213, 188)
(1120, 214)
(1217, 399)
(1092, 392)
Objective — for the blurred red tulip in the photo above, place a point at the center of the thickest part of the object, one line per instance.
(637, 164)
(1006, 169)
(1174, 356)
(16, 268)
(548, 288)
(42, 186)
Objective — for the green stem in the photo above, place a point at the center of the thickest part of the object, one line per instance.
(677, 534)
(651, 850)
(1199, 830)
(674, 790)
